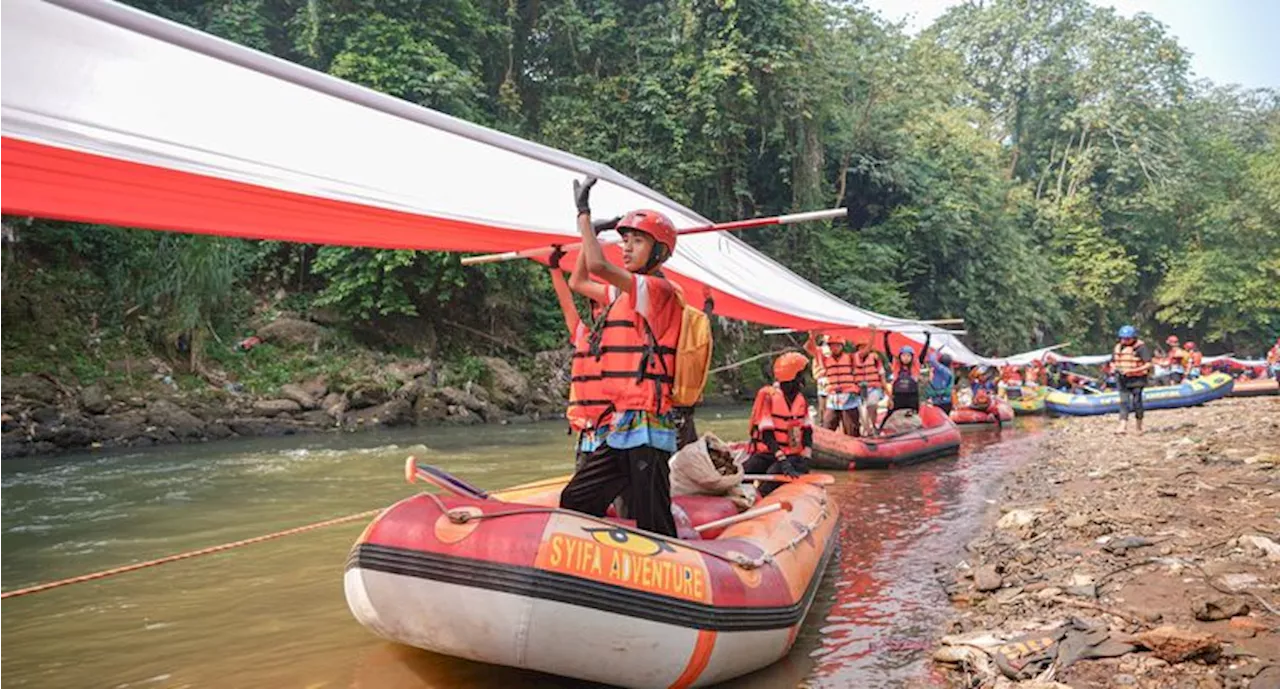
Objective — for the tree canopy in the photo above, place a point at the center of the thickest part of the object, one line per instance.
(1047, 169)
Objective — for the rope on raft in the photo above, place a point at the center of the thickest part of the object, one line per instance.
(185, 556)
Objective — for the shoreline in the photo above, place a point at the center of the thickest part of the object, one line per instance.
(44, 417)
(1163, 551)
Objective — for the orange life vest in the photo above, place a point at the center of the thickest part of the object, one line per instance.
(787, 422)
(587, 402)
(839, 369)
(867, 369)
(1178, 357)
(1011, 375)
(1197, 359)
(637, 362)
(1273, 356)
(1125, 358)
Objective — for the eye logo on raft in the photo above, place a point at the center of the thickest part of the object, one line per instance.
(624, 558)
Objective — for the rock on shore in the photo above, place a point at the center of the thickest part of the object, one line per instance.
(43, 415)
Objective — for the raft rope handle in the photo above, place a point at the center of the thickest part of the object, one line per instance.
(184, 556)
(460, 516)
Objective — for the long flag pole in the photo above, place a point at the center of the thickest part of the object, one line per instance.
(791, 219)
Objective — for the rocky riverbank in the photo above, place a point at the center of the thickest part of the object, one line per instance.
(42, 413)
(1131, 561)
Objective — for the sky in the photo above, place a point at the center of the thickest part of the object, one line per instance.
(1231, 41)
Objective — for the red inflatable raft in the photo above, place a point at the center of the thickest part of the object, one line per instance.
(974, 418)
(1254, 388)
(937, 437)
(509, 578)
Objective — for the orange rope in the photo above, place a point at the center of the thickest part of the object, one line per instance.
(183, 556)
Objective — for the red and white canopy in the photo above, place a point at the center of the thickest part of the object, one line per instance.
(115, 116)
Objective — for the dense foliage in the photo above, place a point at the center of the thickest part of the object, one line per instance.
(1046, 169)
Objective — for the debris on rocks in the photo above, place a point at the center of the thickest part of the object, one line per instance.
(1146, 562)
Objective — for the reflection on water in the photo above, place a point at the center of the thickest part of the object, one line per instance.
(273, 614)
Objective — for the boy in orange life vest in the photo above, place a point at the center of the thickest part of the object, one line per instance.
(781, 434)
(842, 392)
(637, 340)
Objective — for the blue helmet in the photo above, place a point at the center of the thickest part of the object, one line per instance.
(1127, 331)
(907, 349)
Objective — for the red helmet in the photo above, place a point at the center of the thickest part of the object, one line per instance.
(1190, 345)
(1171, 340)
(652, 223)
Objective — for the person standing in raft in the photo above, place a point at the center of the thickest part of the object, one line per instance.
(781, 433)
(940, 388)
(868, 373)
(842, 390)
(904, 393)
(1132, 362)
(637, 338)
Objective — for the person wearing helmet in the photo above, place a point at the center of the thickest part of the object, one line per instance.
(1195, 359)
(1131, 361)
(1177, 360)
(635, 338)
(940, 388)
(842, 390)
(780, 430)
(904, 389)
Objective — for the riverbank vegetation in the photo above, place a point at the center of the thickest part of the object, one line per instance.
(1047, 170)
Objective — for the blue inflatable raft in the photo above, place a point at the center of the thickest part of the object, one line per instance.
(1188, 394)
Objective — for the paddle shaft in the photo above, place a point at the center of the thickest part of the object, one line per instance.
(749, 514)
(717, 227)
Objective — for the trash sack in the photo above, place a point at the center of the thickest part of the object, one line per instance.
(708, 467)
(1027, 656)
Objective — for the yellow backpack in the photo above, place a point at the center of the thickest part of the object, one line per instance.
(693, 355)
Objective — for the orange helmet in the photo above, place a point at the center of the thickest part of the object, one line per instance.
(836, 340)
(789, 365)
(652, 223)
(1190, 345)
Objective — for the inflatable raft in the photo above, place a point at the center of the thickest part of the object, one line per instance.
(972, 418)
(937, 437)
(1028, 404)
(512, 579)
(1188, 394)
(1255, 387)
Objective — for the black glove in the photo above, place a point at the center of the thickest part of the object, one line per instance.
(582, 194)
(602, 225)
(557, 254)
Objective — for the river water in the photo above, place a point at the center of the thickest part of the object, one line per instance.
(273, 614)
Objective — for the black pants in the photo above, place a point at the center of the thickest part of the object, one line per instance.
(640, 474)
(1130, 400)
(764, 463)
